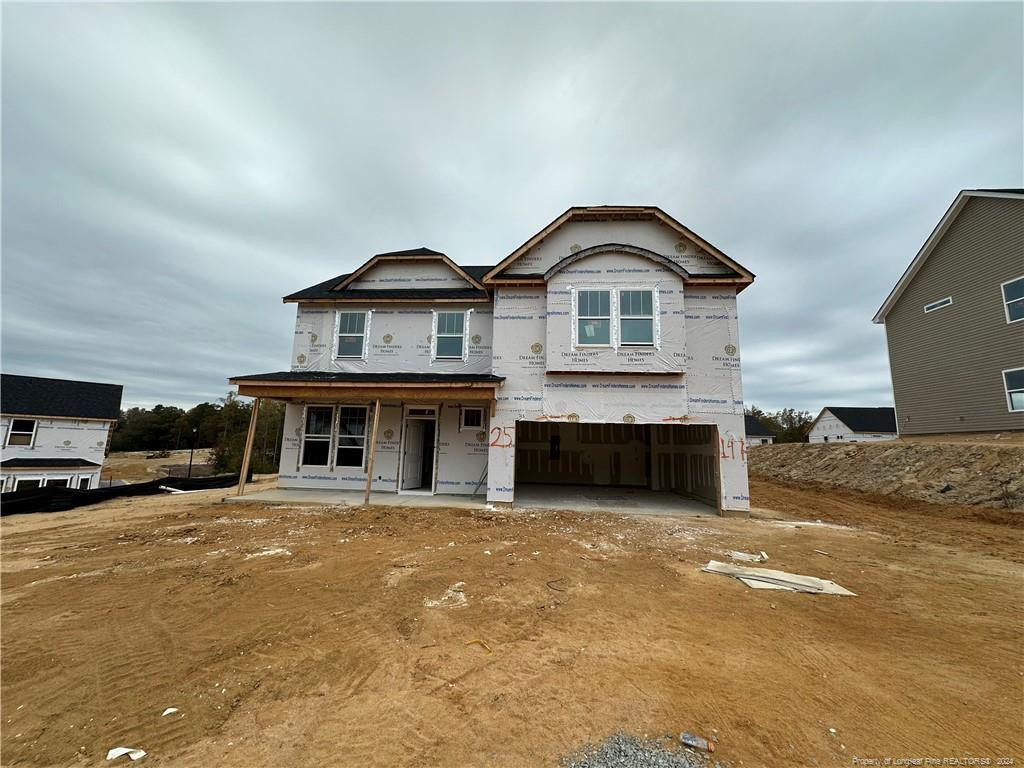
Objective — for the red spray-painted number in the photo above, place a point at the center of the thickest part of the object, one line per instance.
(502, 437)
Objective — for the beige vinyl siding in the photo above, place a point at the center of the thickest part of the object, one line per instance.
(946, 364)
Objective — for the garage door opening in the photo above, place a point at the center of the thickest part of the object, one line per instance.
(671, 460)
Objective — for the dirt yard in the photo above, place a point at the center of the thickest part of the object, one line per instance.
(390, 637)
(134, 467)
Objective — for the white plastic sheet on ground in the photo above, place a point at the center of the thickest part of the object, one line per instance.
(767, 578)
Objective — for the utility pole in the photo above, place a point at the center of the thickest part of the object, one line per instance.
(192, 450)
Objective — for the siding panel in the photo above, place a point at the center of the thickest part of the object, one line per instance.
(946, 365)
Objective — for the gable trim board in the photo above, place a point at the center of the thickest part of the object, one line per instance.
(933, 240)
(611, 213)
(417, 254)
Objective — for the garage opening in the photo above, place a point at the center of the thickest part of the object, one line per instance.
(679, 459)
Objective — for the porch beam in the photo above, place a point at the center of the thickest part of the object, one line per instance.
(373, 452)
(312, 392)
(247, 455)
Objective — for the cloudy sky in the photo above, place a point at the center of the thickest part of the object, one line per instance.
(170, 171)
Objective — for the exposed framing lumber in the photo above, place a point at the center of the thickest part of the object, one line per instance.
(313, 392)
(373, 452)
(247, 455)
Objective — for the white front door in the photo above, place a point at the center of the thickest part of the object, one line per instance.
(412, 454)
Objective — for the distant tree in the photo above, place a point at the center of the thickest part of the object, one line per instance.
(788, 425)
(221, 426)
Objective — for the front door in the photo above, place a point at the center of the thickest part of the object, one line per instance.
(412, 455)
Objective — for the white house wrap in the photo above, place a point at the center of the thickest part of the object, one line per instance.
(604, 351)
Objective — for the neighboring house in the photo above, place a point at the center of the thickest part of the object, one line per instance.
(757, 433)
(603, 351)
(954, 322)
(55, 432)
(852, 425)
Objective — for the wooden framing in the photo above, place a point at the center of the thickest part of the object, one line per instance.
(373, 452)
(334, 391)
(247, 455)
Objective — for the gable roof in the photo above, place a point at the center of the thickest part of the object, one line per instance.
(337, 288)
(753, 426)
(36, 396)
(742, 276)
(862, 419)
(933, 240)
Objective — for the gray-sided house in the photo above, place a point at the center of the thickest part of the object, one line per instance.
(852, 425)
(603, 351)
(954, 322)
(757, 433)
(55, 432)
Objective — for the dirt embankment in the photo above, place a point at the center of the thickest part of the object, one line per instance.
(945, 473)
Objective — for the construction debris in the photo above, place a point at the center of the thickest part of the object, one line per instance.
(746, 557)
(695, 741)
(766, 578)
(132, 752)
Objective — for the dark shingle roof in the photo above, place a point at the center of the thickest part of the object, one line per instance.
(324, 290)
(754, 427)
(370, 378)
(866, 419)
(35, 396)
(421, 251)
(37, 463)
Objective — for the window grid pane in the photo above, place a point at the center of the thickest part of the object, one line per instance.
(318, 421)
(449, 346)
(352, 322)
(450, 322)
(1014, 290)
(1014, 379)
(591, 331)
(636, 303)
(637, 331)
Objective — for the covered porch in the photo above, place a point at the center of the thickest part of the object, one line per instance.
(397, 433)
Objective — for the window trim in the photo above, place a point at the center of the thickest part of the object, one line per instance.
(654, 318)
(576, 317)
(367, 314)
(462, 418)
(935, 306)
(67, 478)
(18, 480)
(316, 438)
(10, 431)
(1006, 303)
(336, 429)
(464, 335)
(1007, 390)
(87, 479)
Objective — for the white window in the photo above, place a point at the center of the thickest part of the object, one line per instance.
(636, 318)
(23, 484)
(472, 418)
(594, 318)
(1013, 383)
(1013, 300)
(351, 435)
(83, 483)
(316, 437)
(351, 335)
(22, 432)
(938, 304)
(450, 338)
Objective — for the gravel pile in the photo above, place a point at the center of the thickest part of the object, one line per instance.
(621, 750)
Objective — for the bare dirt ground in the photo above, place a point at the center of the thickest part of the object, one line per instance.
(134, 467)
(385, 637)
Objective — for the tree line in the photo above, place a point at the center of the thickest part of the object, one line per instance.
(221, 426)
(788, 425)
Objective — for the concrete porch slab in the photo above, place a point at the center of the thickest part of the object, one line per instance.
(572, 498)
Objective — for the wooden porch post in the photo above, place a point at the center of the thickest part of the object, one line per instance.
(373, 452)
(248, 445)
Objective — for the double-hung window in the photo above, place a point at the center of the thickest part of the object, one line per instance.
(351, 335)
(316, 436)
(351, 435)
(636, 318)
(1013, 299)
(1013, 383)
(451, 336)
(594, 318)
(21, 432)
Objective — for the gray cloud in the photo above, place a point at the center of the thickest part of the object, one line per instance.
(170, 171)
